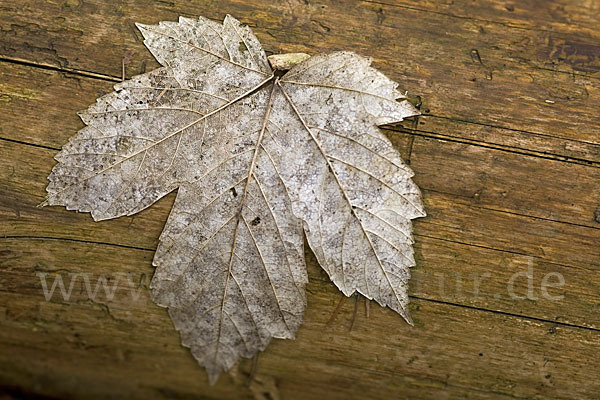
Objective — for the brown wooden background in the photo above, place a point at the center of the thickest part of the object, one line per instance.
(507, 155)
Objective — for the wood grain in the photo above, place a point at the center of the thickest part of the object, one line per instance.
(507, 154)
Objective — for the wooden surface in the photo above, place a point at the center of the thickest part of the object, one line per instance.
(507, 155)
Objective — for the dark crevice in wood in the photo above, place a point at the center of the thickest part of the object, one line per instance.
(565, 324)
(467, 121)
(41, 146)
(499, 147)
(50, 67)
(123, 246)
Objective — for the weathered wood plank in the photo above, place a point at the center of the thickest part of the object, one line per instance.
(450, 71)
(64, 347)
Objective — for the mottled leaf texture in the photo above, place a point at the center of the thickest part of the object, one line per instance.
(257, 155)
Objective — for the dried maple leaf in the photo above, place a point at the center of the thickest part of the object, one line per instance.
(257, 156)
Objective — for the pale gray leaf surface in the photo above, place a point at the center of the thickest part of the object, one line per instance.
(230, 260)
(256, 158)
(351, 188)
(132, 151)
